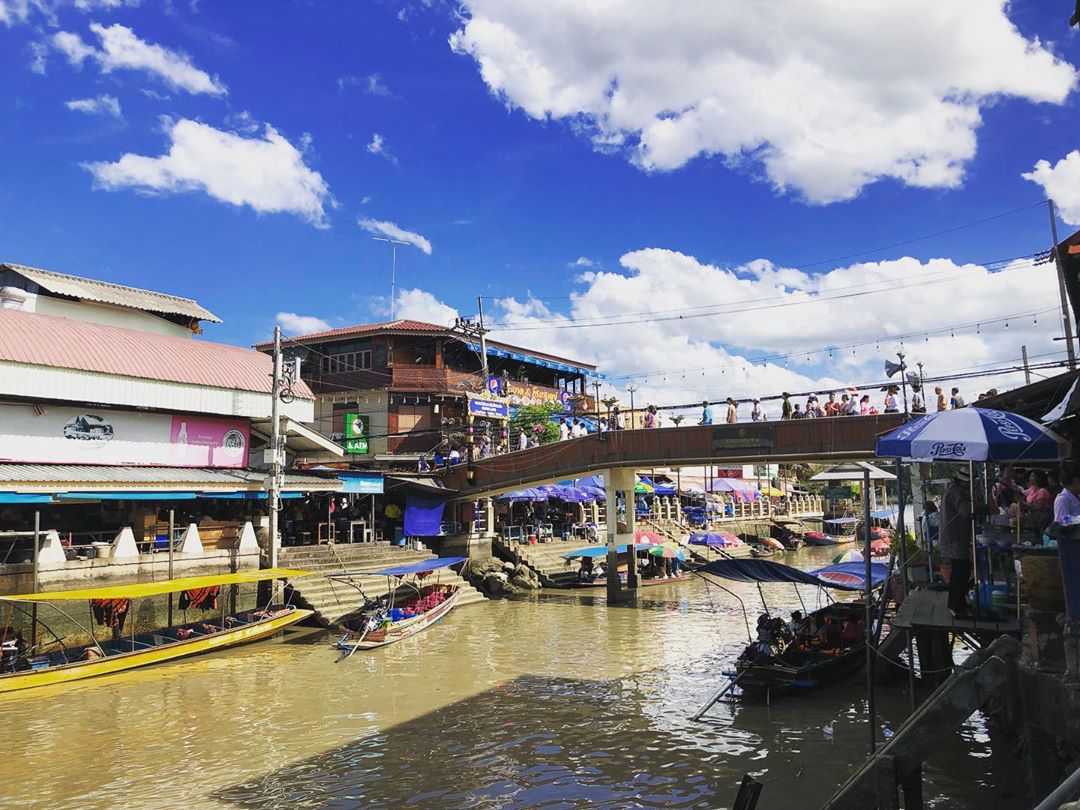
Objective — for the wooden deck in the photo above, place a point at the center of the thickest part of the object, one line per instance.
(929, 609)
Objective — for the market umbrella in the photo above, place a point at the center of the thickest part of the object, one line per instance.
(715, 539)
(648, 538)
(772, 492)
(667, 552)
(530, 494)
(567, 493)
(972, 434)
(642, 488)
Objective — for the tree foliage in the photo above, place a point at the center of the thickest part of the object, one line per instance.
(535, 420)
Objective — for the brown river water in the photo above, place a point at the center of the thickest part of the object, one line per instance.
(556, 701)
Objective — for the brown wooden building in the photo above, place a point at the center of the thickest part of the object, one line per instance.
(412, 381)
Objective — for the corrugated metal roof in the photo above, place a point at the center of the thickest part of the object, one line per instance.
(117, 294)
(59, 475)
(408, 327)
(48, 340)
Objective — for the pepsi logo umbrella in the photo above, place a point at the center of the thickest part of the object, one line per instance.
(973, 434)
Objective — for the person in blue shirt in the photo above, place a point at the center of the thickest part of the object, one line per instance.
(706, 413)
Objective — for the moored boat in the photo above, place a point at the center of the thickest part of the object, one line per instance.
(409, 606)
(807, 651)
(25, 668)
(822, 539)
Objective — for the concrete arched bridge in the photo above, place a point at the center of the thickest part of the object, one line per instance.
(837, 438)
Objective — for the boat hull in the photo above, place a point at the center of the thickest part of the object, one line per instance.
(400, 630)
(78, 670)
(820, 539)
(644, 583)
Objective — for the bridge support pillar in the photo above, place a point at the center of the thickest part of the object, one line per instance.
(616, 481)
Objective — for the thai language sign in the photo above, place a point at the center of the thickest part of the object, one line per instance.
(527, 394)
(44, 434)
(491, 408)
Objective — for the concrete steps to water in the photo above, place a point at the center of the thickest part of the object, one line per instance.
(545, 559)
(333, 600)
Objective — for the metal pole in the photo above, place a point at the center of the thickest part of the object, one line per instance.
(483, 340)
(1027, 369)
(37, 552)
(1065, 317)
(631, 388)
(903, 380)
(274, 490)
(596, 388)
(901, 530)
(172, 530)
(393, 277)
(870, 708)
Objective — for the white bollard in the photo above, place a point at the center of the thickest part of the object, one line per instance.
(124, 546)
(248, 541)
(51, 551)
(189, 541)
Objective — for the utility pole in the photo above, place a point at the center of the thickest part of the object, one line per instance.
(903, 379)
(393, 268)
(1061, 289)
(596, 401)
(474, 331)
(631, 388)
(274, 488)
(1027, 368)
(483, 339)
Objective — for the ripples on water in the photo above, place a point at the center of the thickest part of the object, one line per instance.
(554, 702)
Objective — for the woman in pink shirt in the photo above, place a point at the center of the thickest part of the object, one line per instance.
(864, 405)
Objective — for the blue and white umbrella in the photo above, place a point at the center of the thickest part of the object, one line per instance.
(972, 434)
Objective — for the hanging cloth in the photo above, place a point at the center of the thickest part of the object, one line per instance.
(111, 612)
(200, 598)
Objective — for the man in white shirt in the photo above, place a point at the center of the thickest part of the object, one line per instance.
(564, 430)
(1067, 503)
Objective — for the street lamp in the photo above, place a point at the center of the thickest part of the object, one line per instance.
(631, 388)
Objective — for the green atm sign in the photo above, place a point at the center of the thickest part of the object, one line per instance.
(356, 434)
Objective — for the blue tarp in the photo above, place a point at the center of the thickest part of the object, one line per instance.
(601, 551)
(405, 570)
(423, 516)
(20, 497)
(842, 576)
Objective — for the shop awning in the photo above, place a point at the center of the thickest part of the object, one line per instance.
(569, 368)
(129, 483)
(299, 438)
(361, 483)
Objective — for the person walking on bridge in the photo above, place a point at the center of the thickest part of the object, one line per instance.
(756, 413)
(732, 411)
(706, 413)
(785, 406)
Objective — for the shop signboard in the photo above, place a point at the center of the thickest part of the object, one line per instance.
(46, 434)
(838, 493)
(356, 434)
(728, 472)
(528, 394)
(490, 408)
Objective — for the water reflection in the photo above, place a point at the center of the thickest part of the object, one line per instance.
(550, 702)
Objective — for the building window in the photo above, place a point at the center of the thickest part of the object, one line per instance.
(342, 363)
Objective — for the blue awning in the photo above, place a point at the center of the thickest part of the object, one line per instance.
(127, 496)
(568, 368)
(20, 497)
(842, 576)
(361, 483)
(422, 567)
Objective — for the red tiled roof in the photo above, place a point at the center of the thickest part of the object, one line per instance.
(407, 327)
(49, 340)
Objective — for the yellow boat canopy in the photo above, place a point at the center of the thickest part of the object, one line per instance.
(137, 590)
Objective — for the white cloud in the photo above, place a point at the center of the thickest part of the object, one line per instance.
(371, 84)
(582, 263)
(393, 231)
(121, 49)
(265, 173)
(377, 146)
(1061, 183)
(760, 310)
(104, 5)
(825, 96)
(294, 324)
(102, 105)
(14, 11)
(420, 305)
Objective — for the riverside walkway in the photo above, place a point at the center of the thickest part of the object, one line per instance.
(837, 438)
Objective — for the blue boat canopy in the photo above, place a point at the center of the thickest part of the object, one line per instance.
(849, 576)
(422, 567)
(601, 551)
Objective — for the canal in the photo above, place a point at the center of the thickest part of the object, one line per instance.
(555, 701)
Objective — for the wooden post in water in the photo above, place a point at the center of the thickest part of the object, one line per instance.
(172, 528)
(869, 621)
(37, 552)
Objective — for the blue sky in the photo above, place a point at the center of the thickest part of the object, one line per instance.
(513, 173)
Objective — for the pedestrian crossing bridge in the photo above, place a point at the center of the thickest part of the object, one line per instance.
(807, 440)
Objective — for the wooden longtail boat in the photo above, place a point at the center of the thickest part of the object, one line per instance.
(25, 669)
(409, 607)
(822, 539)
